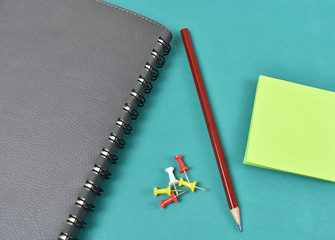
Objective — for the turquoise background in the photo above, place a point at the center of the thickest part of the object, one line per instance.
(235, 42)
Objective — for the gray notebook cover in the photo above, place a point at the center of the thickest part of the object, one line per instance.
(67, 69)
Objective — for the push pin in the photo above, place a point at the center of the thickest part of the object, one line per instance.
(173, 180)
(167, 191)
(191, 186)
(169, 200)
(182, 166)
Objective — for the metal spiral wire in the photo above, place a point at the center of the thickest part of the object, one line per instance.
(82, 202)
(97, 169)
(160, 58)
(66, 236)
(166, 46)
(140, 99)
(116, 140)
(105, 153)
(75, 221)
(147, 85)
(93, 187)
(125, 126)
(154, 72)
(132, 112)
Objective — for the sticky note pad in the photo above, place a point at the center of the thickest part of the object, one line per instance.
(292, 129)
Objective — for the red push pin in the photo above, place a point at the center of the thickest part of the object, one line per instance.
(169, 200)
(182, 166)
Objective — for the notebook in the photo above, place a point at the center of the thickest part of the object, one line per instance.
(292, 129)
(73, 74)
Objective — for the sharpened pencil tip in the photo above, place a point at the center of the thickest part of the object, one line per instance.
(240, 227)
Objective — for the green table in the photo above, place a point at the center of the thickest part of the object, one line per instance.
(235, 42)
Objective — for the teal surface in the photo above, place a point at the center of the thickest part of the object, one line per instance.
(235, 42)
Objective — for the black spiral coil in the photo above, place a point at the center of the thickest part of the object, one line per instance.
(65, 236)
(105, 153)
(160, 58)
(147, 85)
(133, 113)
(125, 126)
(166, 46)
(116, 140)
(154, 72)
(90, 185)
(82, 202)
(75, 221)
(140, 99)
(98, 169)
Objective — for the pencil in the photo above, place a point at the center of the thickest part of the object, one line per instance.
(219, 155)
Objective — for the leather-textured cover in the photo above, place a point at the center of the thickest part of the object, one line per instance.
(67, 68)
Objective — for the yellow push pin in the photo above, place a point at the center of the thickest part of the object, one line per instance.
(167, 191)
(191, 186)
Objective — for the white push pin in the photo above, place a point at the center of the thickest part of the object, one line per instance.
(173, 179)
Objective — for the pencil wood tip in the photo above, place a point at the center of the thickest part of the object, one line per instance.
(236, 214)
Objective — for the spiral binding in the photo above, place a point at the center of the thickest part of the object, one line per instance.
(147, 85)
(161, 59)
(65, 236)
(75, 221)
(152, 70)
(140, 99)
(133, 113)
(125, 126)
(117, 141)
(91, 186)
(166, 46)
(97, 169)
(82, 202)
(110, 156)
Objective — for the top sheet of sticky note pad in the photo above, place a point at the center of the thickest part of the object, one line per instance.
(292, 129)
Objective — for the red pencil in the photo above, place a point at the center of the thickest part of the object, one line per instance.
(220, 158)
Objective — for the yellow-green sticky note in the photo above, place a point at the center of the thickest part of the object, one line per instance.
(292, 129)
